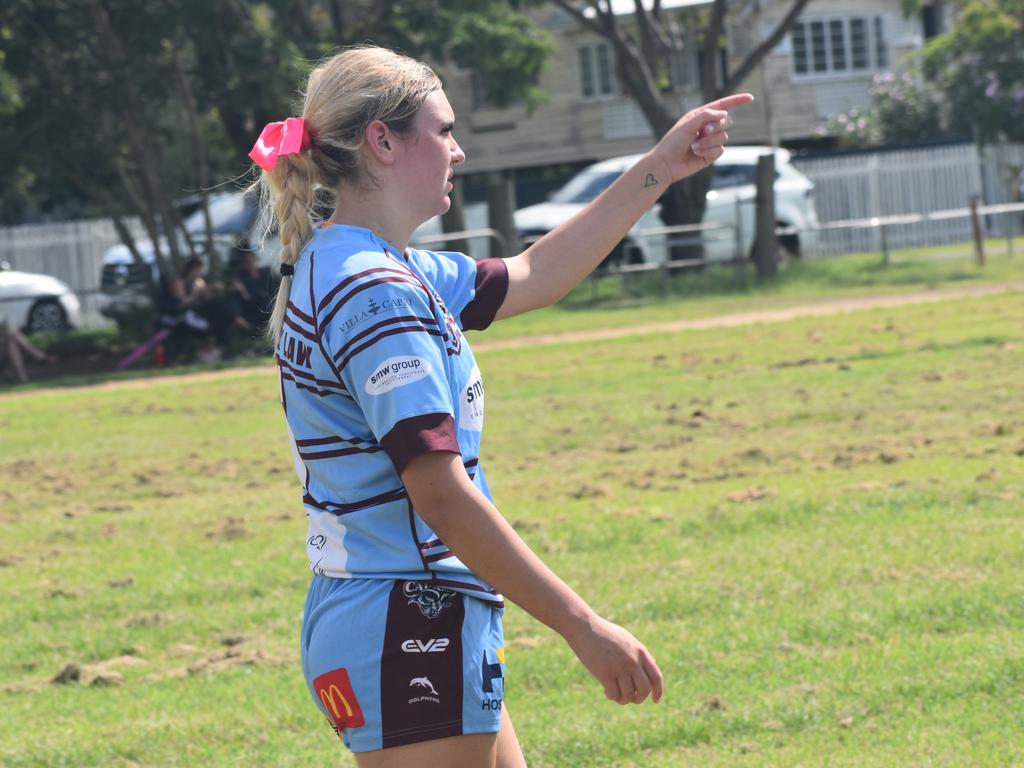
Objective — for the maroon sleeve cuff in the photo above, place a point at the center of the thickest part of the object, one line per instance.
(491, 287)
(420, 434)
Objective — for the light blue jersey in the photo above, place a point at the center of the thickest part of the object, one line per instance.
(374, 371)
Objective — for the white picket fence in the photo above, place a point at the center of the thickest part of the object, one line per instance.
(71, 251)
(862, 185)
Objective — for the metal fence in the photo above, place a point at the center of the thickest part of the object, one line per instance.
(862, 186)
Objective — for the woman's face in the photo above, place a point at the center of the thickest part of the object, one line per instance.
(428, 158)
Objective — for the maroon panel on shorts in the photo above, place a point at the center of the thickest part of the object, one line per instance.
(421, 664)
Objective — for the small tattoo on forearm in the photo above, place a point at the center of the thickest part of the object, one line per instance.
(650, 181)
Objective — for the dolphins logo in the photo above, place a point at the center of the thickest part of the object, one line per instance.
(423, 682)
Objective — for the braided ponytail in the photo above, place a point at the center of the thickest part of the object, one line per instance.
(345, 93)
(289, 191)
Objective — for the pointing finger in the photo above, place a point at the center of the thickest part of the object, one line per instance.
(731, 102)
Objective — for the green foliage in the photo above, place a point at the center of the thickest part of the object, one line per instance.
(980, 68)
(123, 73)
(966, 82)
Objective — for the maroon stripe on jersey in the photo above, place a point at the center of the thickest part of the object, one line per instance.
(439, 556)
(463, 585)
(394, 331)
(299, 329)
(351, 279)
(431, 544)
(491, 289)
(339, 508)
(308, 376)
(362, 287)
(311, 441)
(286, 376)
(420, 434)
(312, 303)
(471, 463)
(339, 452)
(296, 374)
(425, 321)
(300, 314)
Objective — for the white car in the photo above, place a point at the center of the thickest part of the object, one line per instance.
(730, 204)
(37, 303)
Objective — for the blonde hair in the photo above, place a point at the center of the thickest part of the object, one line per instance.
(344, 94)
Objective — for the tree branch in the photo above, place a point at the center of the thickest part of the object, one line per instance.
(709, 76)
(740, 74)
(572, 10)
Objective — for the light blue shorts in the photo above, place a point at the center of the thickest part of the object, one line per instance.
(397, 662)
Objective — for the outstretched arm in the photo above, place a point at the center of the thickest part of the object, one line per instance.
(551, 267)
(471, 526)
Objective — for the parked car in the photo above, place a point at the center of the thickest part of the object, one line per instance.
(124, 283)
(37, 303)
(730, 203)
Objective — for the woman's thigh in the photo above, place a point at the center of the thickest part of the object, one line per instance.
(479, 750)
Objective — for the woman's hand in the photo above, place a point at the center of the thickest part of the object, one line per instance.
(697, 139)
(618, 660)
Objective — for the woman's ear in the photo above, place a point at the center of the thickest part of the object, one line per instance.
(380, 142)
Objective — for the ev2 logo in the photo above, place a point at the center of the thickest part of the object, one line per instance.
(436, 645)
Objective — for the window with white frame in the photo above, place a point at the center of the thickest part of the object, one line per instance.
(597, 72)
(838, 46)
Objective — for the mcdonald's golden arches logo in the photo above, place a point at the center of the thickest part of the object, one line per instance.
(339, 700)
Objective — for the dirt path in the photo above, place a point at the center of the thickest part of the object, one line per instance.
(819, 309)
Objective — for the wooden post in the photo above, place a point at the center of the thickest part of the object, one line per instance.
(979, 244)
(454, 220)
(501, 206)
(766, 246)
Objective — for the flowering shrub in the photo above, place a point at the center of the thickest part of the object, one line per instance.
(904, 108)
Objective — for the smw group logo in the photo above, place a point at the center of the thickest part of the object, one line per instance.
(335, 693)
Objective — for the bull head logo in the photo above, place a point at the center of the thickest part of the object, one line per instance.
(430, 600)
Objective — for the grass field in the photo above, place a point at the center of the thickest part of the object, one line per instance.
(816, 526)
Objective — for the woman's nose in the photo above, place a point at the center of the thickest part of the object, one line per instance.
(458, 155)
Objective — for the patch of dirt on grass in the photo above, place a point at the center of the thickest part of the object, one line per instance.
(219, 661)
(750, 494)
(231, 528)
(874, 485)
(587, 491)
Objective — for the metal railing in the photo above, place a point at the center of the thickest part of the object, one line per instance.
(883, 223)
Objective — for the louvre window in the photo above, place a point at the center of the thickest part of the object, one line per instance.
(835, 46)
(597, 76)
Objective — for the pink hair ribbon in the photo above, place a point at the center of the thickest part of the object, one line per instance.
(277, 139)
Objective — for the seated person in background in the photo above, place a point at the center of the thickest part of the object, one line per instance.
(196, 312)
(249, 294)
(14, 348)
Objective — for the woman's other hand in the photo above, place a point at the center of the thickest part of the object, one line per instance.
(620, 662)
(698, 137)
